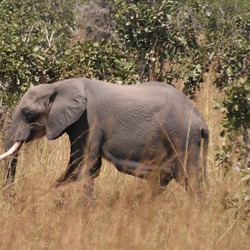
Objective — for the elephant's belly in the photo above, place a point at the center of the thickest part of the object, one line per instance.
(139, 167)
(129, 167)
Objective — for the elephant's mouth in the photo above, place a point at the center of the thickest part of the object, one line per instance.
(35, 131)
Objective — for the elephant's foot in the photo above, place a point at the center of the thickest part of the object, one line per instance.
(88, 193)
(65, 179)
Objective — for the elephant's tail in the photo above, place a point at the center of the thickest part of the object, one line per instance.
(205, 136)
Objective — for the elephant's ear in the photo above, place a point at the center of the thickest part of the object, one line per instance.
(66, 105)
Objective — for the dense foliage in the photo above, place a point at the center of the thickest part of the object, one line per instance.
(164, 38)
(33, 39)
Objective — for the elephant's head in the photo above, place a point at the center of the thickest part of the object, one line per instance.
(46, 110)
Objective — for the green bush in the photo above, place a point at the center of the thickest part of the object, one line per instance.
(33, 39)
(159, 33)
(103, 60)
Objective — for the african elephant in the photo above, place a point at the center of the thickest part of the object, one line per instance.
(151, 130)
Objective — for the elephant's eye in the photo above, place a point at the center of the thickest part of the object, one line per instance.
(30, 116)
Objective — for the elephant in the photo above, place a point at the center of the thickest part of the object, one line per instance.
(150, 130)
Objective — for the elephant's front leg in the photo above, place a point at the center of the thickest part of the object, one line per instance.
(92, 167)
(72, 173)
(73, 170)
(90, 172)
(77, 135)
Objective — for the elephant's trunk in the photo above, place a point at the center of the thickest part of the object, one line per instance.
(11, 148)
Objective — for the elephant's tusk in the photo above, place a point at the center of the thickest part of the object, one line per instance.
(12, 150)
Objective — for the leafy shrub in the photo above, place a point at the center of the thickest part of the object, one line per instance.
(234, 154)
(159, 33)
(33, 39)
(104, 60)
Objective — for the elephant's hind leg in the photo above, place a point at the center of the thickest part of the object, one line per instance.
(159, 179)
(188, 171)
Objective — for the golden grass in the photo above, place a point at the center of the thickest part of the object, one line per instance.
(123, 217)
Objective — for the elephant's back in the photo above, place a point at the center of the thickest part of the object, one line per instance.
(145, 99)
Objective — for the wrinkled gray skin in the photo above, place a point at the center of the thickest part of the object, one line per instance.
(150, 130)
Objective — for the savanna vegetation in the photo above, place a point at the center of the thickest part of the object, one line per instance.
(200, 47)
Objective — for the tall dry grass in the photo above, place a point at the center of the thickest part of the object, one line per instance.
(40, 217)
